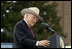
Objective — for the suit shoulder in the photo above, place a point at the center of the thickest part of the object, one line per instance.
(19, 24)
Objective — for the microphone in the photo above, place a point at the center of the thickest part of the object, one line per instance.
(47, 27)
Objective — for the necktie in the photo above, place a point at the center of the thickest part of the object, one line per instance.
(32, 33)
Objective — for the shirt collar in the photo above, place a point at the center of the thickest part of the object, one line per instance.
(26, 21)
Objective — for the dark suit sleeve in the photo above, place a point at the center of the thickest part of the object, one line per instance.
(22, 37)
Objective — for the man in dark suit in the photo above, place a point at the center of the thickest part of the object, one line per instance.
(23, 35)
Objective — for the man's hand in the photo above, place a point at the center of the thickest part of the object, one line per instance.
(44, 43)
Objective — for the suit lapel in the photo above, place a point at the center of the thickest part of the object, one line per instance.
(27, 27)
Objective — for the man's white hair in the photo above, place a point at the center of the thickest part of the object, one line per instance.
(26, 14)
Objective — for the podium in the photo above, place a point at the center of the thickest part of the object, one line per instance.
(56, 42)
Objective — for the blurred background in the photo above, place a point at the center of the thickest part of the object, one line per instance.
(56, 13)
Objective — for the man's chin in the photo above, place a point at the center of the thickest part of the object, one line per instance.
(32, 25)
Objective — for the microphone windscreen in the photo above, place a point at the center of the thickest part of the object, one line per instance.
(44, 25)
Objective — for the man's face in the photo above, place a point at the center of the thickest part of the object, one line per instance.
(32, 19)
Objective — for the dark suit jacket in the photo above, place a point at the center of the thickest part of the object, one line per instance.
(23, 37)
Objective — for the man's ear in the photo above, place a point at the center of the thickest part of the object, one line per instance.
(28, 14)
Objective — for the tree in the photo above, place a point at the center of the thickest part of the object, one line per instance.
(10, 15)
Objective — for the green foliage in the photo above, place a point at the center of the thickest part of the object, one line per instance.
(48, 12)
